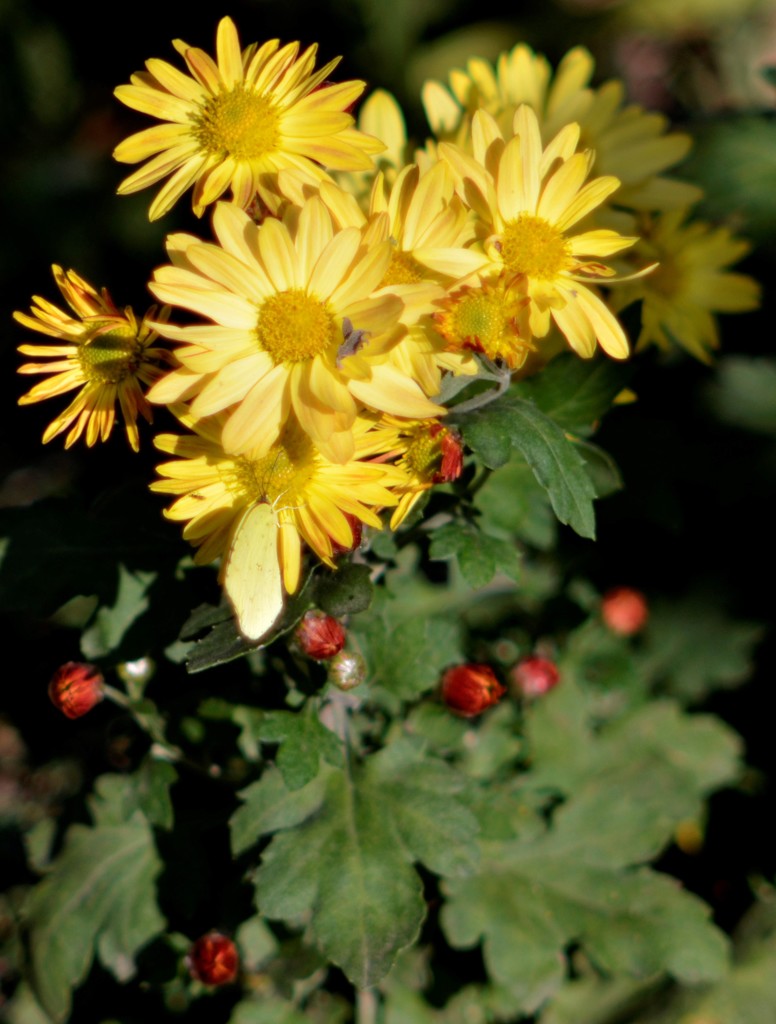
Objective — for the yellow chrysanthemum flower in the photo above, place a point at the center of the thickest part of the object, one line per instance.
(237, 120)
(297, 324)
(254, 511)
(527, 199)
(630, 143)
(426, 452)
(690, 285)
(107, 353)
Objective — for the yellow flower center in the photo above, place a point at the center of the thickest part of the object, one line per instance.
(486, 319)
(238, 123)
(294, 326)
(403, 269)
(280, 476)
(423, 456)
(530, 245)
(109, 357)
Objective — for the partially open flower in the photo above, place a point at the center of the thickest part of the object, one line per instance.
(624, 610)
(76, 687)
(320, 636)
(213, 959)
(534, 676)
(468, 690)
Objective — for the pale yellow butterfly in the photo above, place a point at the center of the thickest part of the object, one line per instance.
(253, 580)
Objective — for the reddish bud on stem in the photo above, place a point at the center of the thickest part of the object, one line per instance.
(320, 636)
(534, 676)
(213, 959)
(76, 687)
(624, 610)
(356, 529)
(468, 690)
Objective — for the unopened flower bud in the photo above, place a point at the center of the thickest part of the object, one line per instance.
(451, 449)
(347, 670)
(624, 610)
(213, 959)
(469, 689)
(534, 676)
(76, 687)
(320, 636)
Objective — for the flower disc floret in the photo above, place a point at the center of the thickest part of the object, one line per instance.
(239, 124)
(530, 245)
(294, 327)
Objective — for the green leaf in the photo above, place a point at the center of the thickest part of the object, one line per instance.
(302, 737)
(269, 805)
(349, 865)
(268, 1011)
(99, 896)
(513, 423)
(344, 592)
(479, 555)
(105, 634)
(575, 393)
(513, 500)
(153, 780)
(691, 648)
(537, 896)
(405, 655)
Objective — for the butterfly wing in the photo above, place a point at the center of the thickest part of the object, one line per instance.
(252, 580)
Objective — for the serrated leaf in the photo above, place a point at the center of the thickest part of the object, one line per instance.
(426, 644)
(269, 806)
(575, 393)
(99, 896)
(479, 555)
(536, 897)
(301, 736)
(514, 423)
(110, 624)
(691, 648)
(513, 500)
(349, 865)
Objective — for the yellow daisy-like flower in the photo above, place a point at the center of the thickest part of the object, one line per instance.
(426, 452)
(690, 285)
(488, 317)
(296, 326)
(105, 352)
(527, 199)
(630, 143)
(254, 511)
(236, 120)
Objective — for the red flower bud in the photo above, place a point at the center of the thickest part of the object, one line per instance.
(75, 688)
(320, 636)
(347, 670)
(213, 959)
(624, 610)
(469, 689)
(534, 676)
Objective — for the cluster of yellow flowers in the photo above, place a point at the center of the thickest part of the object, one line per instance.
(348, 277)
